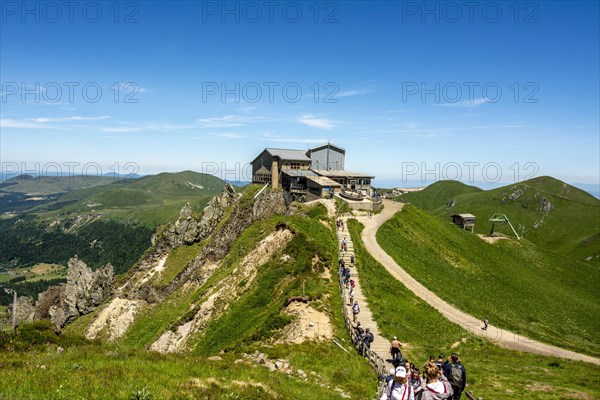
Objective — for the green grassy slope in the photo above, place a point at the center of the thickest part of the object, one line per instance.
(545, 210)
(492, 372)
(47, 185)
(243, 328)
(437, 194)
(516, 284)
(151, 200)
(108, 372)
(246, 320)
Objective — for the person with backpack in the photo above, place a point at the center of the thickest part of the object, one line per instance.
(347, 278)
(368, 338)
(358, 329)
(437, 387)
(355, 311)
(398, 389)
(457, 376)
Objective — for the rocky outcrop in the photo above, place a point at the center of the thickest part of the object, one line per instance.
(244, 214)
(114, 320)
(187, 229)
(224, 293)
(25, 310)
(85, 290)
(51, 305)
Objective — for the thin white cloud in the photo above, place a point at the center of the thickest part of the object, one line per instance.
(131, 88)
(122, 129)
(220, 122)
(74, 118)
(47, 123)
(21, 124)
(354, 92)
(227, 135)
(466, 103)
(313, 122)
(229, 121)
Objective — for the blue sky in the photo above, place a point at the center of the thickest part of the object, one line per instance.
(413, 91)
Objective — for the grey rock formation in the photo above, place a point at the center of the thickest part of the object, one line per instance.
(187, 230)
(25, 310)
(85, 290)
(244, 213)
(51, 305)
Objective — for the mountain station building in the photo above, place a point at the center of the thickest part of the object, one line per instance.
(316, 173)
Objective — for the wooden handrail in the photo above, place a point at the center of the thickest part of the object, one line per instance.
(375, 359)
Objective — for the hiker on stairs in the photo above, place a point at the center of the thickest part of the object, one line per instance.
(399, 389)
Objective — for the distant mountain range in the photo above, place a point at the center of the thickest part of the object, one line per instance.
(151, 200)
(591, 188)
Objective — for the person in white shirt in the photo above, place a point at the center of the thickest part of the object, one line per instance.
(398, 389)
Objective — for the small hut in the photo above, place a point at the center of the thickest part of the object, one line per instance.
(465, 221)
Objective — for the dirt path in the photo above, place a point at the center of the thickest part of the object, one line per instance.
(498, 336)
(380, 344)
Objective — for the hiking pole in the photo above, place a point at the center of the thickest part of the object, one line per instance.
(341, 347)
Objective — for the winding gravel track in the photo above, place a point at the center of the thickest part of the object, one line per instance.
(496, 335)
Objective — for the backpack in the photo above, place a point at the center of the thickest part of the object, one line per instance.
(455, 376)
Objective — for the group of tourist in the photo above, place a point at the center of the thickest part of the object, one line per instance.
(363, 336)
(443, 379)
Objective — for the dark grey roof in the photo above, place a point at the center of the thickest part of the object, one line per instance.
(341, 149)
(288, 154)
(285, 154)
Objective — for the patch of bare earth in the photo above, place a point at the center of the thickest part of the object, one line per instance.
(309, 324)
(223, 294)
(456, 344)
(114, 319)
(206, 383)
(145, 271)
(492, 239)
